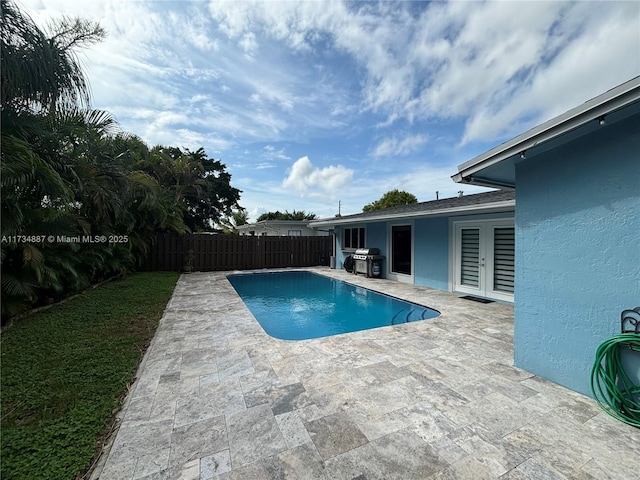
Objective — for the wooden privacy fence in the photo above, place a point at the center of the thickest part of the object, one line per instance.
(205, 252)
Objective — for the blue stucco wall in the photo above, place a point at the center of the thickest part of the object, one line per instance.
(577, 252)
(376, 237)
(431, 237)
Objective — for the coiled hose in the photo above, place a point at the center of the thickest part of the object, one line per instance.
(611, 386)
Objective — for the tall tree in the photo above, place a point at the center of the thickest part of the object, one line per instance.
(392, 198)
(201, 186)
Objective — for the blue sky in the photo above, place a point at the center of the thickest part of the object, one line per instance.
(311, 103)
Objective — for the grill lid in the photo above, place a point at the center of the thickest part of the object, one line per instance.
(367, 251)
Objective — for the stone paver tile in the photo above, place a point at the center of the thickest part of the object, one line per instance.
(253, 471)
(424, 372)
(610, 434)
(506, 371)
(499, 456)
(234, 365)
(136, 439)
(138, 408)
(187, 471)
(150, 463)
(207, 380)
(256, 387)
(427, 422)
(467, 468)
(198, 439)
(448, 450)
(288, 398)
(253, 434)
(301, 463)
(515, 474)
(292, 429)
(376, 427)
(216, 464)
(198, 363)
(336, 399)
(441, 396)
(335, 434)
(539, 471)
(400, 455)
(145, 386)
(163, 408)
(214, 400)
(118, 468)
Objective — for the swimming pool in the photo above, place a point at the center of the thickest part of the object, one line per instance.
(298, 305)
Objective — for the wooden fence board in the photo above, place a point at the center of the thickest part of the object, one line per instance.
(232, 252)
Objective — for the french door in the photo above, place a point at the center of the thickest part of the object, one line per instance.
(485, 258)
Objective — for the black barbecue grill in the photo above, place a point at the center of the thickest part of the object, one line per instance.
(368, 261)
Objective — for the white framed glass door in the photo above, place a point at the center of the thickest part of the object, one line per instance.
(400, 248)
(484, 263)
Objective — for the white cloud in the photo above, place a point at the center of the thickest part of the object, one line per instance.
(398, 147)
(357, 80)
(248, 43)
(306, 179)
(496, 66)
(273, 153)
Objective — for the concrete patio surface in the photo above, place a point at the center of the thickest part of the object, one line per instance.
(217, 398)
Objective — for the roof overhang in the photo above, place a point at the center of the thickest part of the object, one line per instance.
(494, 207)
(496, 168)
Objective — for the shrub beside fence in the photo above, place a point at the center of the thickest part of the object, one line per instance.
(205, 252)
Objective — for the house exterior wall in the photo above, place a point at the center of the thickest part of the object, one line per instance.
(375, 237)
(431, 263)
(279, 230)
(577, 252)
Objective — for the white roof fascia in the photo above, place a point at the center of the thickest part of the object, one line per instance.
(299, 223)
(480, 208)
(593, 109)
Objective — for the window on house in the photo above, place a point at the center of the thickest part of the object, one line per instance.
(294, 233)
(353, 238)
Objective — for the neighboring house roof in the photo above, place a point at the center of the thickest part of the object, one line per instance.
(496, 168)
(273, 223)
(480, 202)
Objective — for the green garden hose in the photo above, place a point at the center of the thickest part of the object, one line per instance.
(611, 386)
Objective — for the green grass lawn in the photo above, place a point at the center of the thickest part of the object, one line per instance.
(65, 371)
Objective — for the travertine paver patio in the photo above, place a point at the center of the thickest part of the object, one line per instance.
(218, 398)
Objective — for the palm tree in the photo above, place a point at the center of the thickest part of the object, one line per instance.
(229, 223)
(42, 88)
(40, 72)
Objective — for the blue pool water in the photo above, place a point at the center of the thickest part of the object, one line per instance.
(299, 305)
